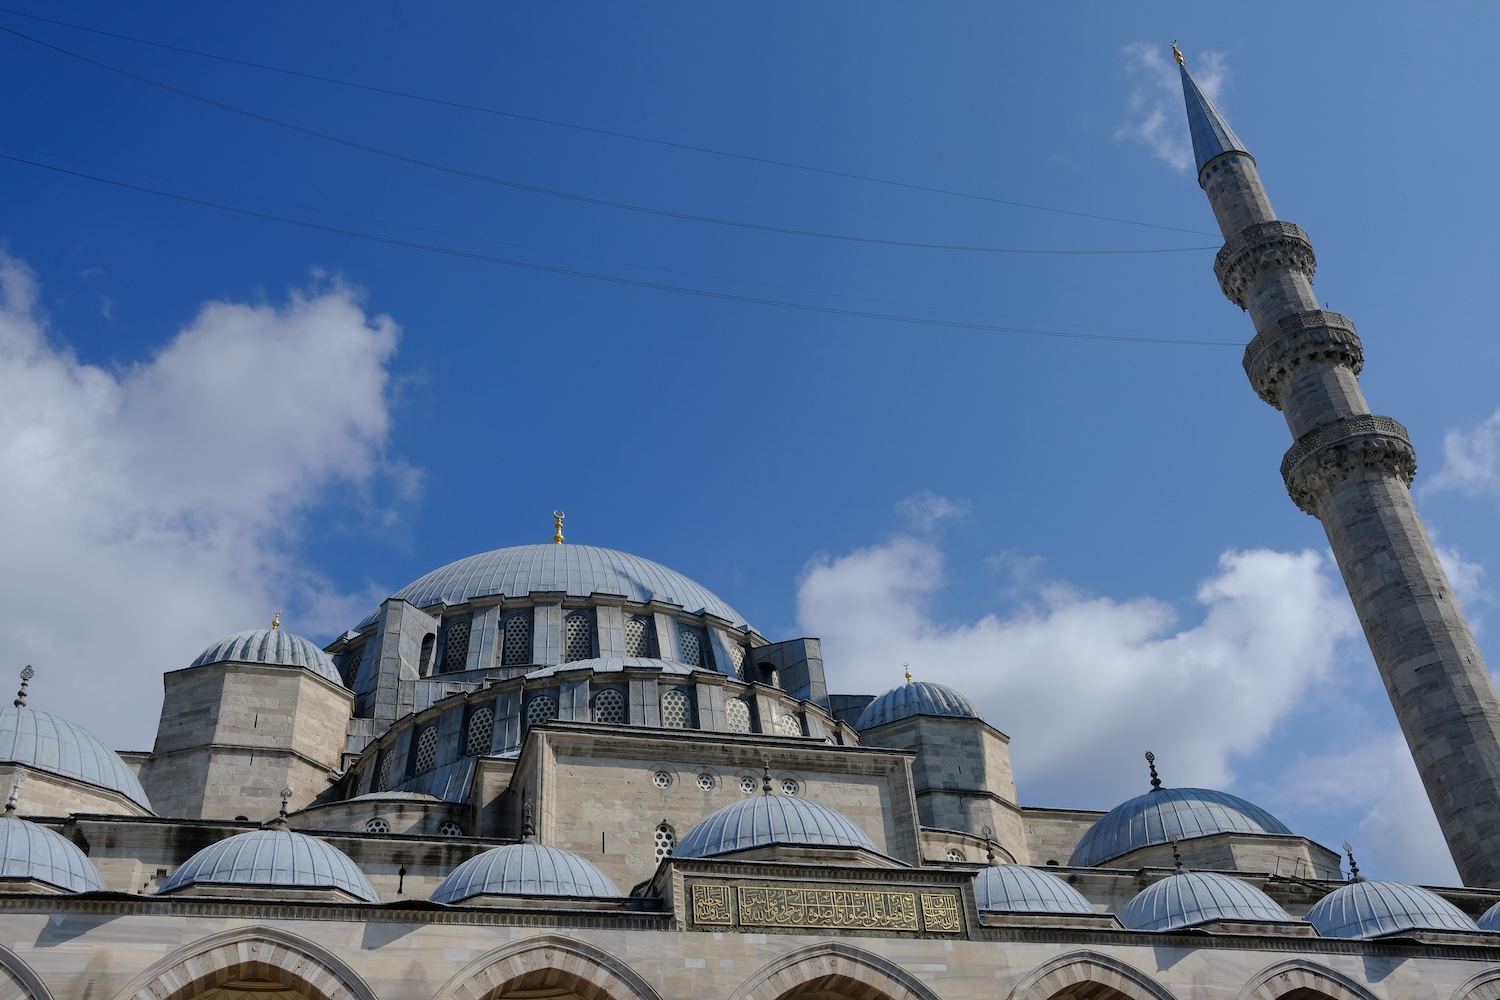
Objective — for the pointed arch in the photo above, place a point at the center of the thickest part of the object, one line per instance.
(1485, 986)
(262, 952)
(17, 981)
(549, 960)
(1088, 975)
(1298, 978)
(853, 972)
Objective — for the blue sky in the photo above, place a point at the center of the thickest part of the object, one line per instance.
(207, 416)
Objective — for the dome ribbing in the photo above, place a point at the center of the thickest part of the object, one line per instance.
(1191, 898)
(1157, 816)
(524, 870)
(770, 819)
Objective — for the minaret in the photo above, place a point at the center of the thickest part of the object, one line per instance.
(1351, 469)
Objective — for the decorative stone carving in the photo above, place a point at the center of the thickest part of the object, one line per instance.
(1328, 455)
(1303, 338)
(1257, 249)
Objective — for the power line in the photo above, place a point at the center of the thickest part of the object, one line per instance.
(460, 105)
(618, 280)
(571, 196)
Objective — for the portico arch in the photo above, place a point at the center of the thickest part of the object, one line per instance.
(829, 971)
(17, 981)
(1083, 975)
(263, 958)
(1485, 986)
(1298, 979)
(549, 966)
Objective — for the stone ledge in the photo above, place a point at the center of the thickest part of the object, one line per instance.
(1332, 453)
(1300, 339)
(1258, 249)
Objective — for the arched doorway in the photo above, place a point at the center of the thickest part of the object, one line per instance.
(259, 964)
(1088, 976)
(833, 972)
(549, 967)
(1299, 979)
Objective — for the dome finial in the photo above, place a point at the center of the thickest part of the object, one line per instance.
(765, 779)
(1354, 875)
(989, 846)
(276, 621)
(280, 821)
(15, 790)
(27, 673)
(1176, 52)
(1151, 763)
(559, 515)
(907, 668)
(528, 828)
(1176, 855)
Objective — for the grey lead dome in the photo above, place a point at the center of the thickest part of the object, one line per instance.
(29, 852)
(1023, 889)
(1375, 909)
(771, 819)
(272, 858)
(1161, 814)
(1188, 899)
(524, 870)
(47, 743)
(916, 698)
(270, 645)
(574, 570)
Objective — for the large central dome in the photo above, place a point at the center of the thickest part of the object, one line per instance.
(575, 570)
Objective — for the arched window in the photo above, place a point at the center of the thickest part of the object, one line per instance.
(676, 709)
(450, 829)
(954, 854)
(737, 715)
(377, 826)
(424, 659)
(666, 839)
(788, 725)
(481, 726)
(456, 646)
(426, 755)
(578, 636)
(737, 659)
(382, 772)
(350, 669)
(515, 648)
(693, 644)
(640, 636)
(609, 706)
(543, 708)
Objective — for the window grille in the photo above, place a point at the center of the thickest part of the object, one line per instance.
(456, 646)
(450, 829)
(426, 750)
(377, 826)
(543, 708)
(737, 659)
(691, 641)
(481, 727)
(666, 839)
(383, 771)
(516, 646)
(748, 785)
(609, 706)
(789, 787)
(737, 715)
(578, 636)
(676, 709)
(639, 633)
(706, 782)
(955, 855)
(789, 725)
(352, 660)
(661, 779)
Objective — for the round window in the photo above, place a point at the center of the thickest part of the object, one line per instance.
(788, 787)
(377, 826)
(706, 782)
(450, 829)
(661, 779)
(747, 785)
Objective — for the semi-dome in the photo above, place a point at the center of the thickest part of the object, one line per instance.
(916, 698)
(1490, 920)
(1375, 909)
(524, 870)
(29, 852)
(271, 645)
(56, 746)
(1191, 898)
(1161, 814)
(275, 858)
(574, 570)
(770, 819)
(1023, 889)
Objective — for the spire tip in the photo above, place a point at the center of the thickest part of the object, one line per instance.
(1177, 53)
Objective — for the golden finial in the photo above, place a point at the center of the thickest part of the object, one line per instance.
(907, 668)
(559, 515)
(1176, 53)
(276, 621)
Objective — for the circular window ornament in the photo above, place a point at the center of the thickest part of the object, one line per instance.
(661, 779)
(377, 826)
(954, 854)
(450, 829)
(789, 787)
(706, 782)
(747, 785)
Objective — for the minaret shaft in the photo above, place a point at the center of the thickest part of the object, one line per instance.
(1351, 469)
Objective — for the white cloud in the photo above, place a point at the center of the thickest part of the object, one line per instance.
(153, 509)
(1084, 684)
(1154, 114)
(1471, 461)
(924, 510)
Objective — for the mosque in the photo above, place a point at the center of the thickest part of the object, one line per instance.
(562, 772)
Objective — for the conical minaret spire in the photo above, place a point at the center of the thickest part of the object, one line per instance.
(1351, 469)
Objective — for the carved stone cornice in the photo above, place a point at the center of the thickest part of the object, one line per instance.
(1303, 338)
(1327, 455)
(1257, 249)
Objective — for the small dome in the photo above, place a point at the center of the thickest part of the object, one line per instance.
(1375, 909)
(47, 743)
(524, 870)
(1490, 920)
(271, 645)
(1157, 816)
(1191, 898)
(28, 851)
(1022, 889)
(272, 858)
(770, 819)
(916, 698)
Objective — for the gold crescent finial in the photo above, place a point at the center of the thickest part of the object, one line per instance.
(1176, 53)
(558, 538)
(907, 668)
(276, 621)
